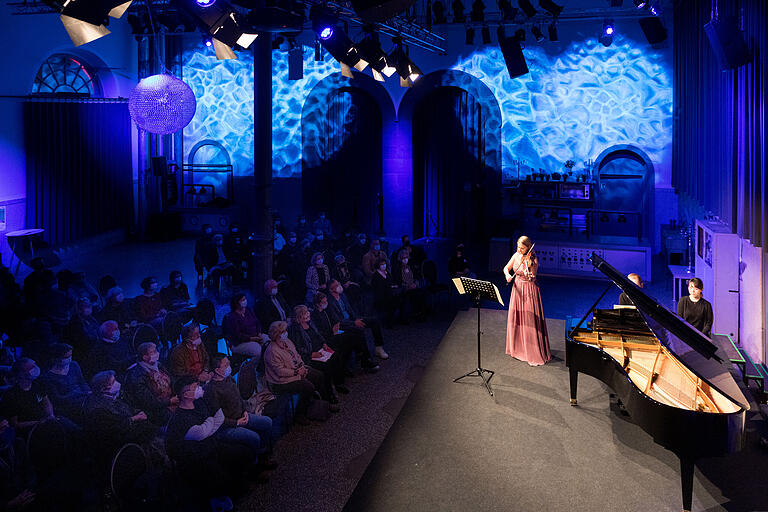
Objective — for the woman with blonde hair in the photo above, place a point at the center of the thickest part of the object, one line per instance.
(527, 338)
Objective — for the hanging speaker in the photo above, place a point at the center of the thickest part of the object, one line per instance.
(513, 56)
(654, 31)
(727, 42)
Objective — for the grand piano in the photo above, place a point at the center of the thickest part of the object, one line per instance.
(669, 376)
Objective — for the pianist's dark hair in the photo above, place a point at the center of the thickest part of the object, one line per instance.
(695, 281)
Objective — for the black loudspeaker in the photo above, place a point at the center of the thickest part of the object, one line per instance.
(159, 166)
(296, 63)
(727, 42)
(654, 31)
(374, 11)
(513, 56)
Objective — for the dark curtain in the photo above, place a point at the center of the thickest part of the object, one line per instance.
(78, 168)
(450, 179)
(343, 175)
(719, 141)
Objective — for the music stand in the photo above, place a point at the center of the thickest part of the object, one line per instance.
(479, 290)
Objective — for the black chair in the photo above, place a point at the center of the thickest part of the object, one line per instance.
(432, 286)
(171, 328)
(48, 447)
(143, 333)
(129, 464)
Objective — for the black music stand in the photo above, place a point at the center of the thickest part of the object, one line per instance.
(479, 290)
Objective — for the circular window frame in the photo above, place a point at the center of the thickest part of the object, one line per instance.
(80, 79)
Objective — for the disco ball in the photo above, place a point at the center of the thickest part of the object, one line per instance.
(162, 104)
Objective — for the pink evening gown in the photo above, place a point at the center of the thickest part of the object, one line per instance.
(527, 338)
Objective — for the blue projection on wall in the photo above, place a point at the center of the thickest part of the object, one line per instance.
(574, 105)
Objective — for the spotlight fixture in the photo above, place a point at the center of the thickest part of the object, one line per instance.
(438, 10)
(508, 12)
(325, 33)
(527, 8)
(552, 31)
(512, 51)
(205, 3)
(370, 50)
(478, 11)
(208, 42)
(227, 27)
(335, 40)
(86, 20)
(640, 4)
(458, 11)
(606, 37)
(470, 35)
(405, 67)
(551, 7)
(486, 34)
(536, 31)
(654, 9)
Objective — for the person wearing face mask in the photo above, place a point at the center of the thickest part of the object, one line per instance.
(356, 252)
(414, 297)
(695, 309)
(309, 343)
(372, 257)
(386, 293)
(286, 372)
(242, 328)
(216, 261)
(64, 382)
(278, 240)
(190, 357)
(109, 421)
(148, 385)
(83, 329)
(321, 244)
(53, 304)
(323, 224)
(175, 296)
(343, 273)
(110, 352)
(117, 309)
(302, 228)
(272, 306)
(458, 265)
(318, 276)
(149, 305)
(26, 403)
(240, 426)
(342, 312)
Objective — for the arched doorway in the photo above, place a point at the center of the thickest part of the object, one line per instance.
(342, 158)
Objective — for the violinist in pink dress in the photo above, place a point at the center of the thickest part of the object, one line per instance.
(527, 338)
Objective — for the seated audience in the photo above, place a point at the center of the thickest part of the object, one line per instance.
(105, 284)
(416, 255)
(202, 249)
(318, 276)
(36, 281)
(278, 241)
(79, 288)
(458, 265)
(343, 274)
(83, 329)
(234, 246)
(216, 261)
(26, 403)
(286, 372)
(344, 342)
(624, 300)
(386, 293)
(149, 305)
(321, 244)
(372, 258)
(323, 224)
(356, 252)
(52, 303)
(111, 422)
(175, 296)
(272, 306)
(148, 385)
(695, 309)
(239, 425)
(302, 229)
(64, 383)
(117, 309)
(414, 297)
(340, 310)
(111, 351)
(309, 343)
(242, 329)
(190, 357)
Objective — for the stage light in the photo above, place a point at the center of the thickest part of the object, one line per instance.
(486, 34)
(405, 67)
(370, 51)
(208, 42)
(227, 27)
(336, 41)
(551, 7)
(552, 31)
(470, 36)
(640, 4)
(478, 11)
(654, 9)
(512, 51)
(508, 12)
(606, 37)
(205, 3)
(458, 12)
(438, 10)
(536, 31)
(527, 8)
(86, 20)
(325, 33)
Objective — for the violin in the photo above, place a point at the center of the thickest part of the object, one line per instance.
(528, 258)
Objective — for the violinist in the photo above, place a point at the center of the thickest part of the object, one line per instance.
(527, 338)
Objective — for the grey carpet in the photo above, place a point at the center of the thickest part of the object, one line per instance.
(454, 447)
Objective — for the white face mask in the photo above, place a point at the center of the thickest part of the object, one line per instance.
(114, 390)
(339, 289)
(273, 291)
(321, 307)
(227, 372)
(284, 336)
(198, 392)
(405, 261)
(383, 268)
(196, 342)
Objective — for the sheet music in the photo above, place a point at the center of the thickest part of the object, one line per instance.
(498, 295)
(457, 281)
(458, 285)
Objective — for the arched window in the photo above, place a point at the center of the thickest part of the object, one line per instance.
(62, 73)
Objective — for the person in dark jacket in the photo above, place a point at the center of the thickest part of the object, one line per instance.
(386, 293)
(345, 342)
(272, 306)
(175, 296)
(83, 329)
(695, 309)
(624, 300)
(315, 352)
(64, 383)
(148, 386)
(340, 308)
(117, 309)
(242, 328)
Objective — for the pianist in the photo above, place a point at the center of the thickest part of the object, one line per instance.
(623, 299)
(695, 309)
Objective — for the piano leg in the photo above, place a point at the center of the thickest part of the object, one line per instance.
(574, 374)
(686, 479)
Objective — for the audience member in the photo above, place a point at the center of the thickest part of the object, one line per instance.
(149, 305)
(189, 357)
(323, 224)
(83, 329)
(202, 249)
(286, 372)
(318, 276)
(117, 309)
(339, 340)
(272, 306)
(386, 293)
(371, 259)
(79, 288)
(624, 300)
(340, 310)
(105, 283)
(458, 265)
(414, 297)
(356, 252)
(310, 345)
(216, 261)
(695, 309)
(111, 351)
(64, 383)
(52, 303)
(36, 281)
(302, 229)
(242, 329)
(26, 403)
(148, 385)
(175, 296)
(278, 241)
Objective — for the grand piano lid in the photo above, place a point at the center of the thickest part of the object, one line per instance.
(687, 343)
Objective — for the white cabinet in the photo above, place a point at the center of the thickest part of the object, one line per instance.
(717, 265)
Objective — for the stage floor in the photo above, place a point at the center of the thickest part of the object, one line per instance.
(454, 447)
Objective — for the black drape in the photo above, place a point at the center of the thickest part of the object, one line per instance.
(450, 179)
(342, 176)
(78, 168)
(719, 142)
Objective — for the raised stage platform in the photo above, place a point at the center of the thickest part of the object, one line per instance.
(454, 447)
